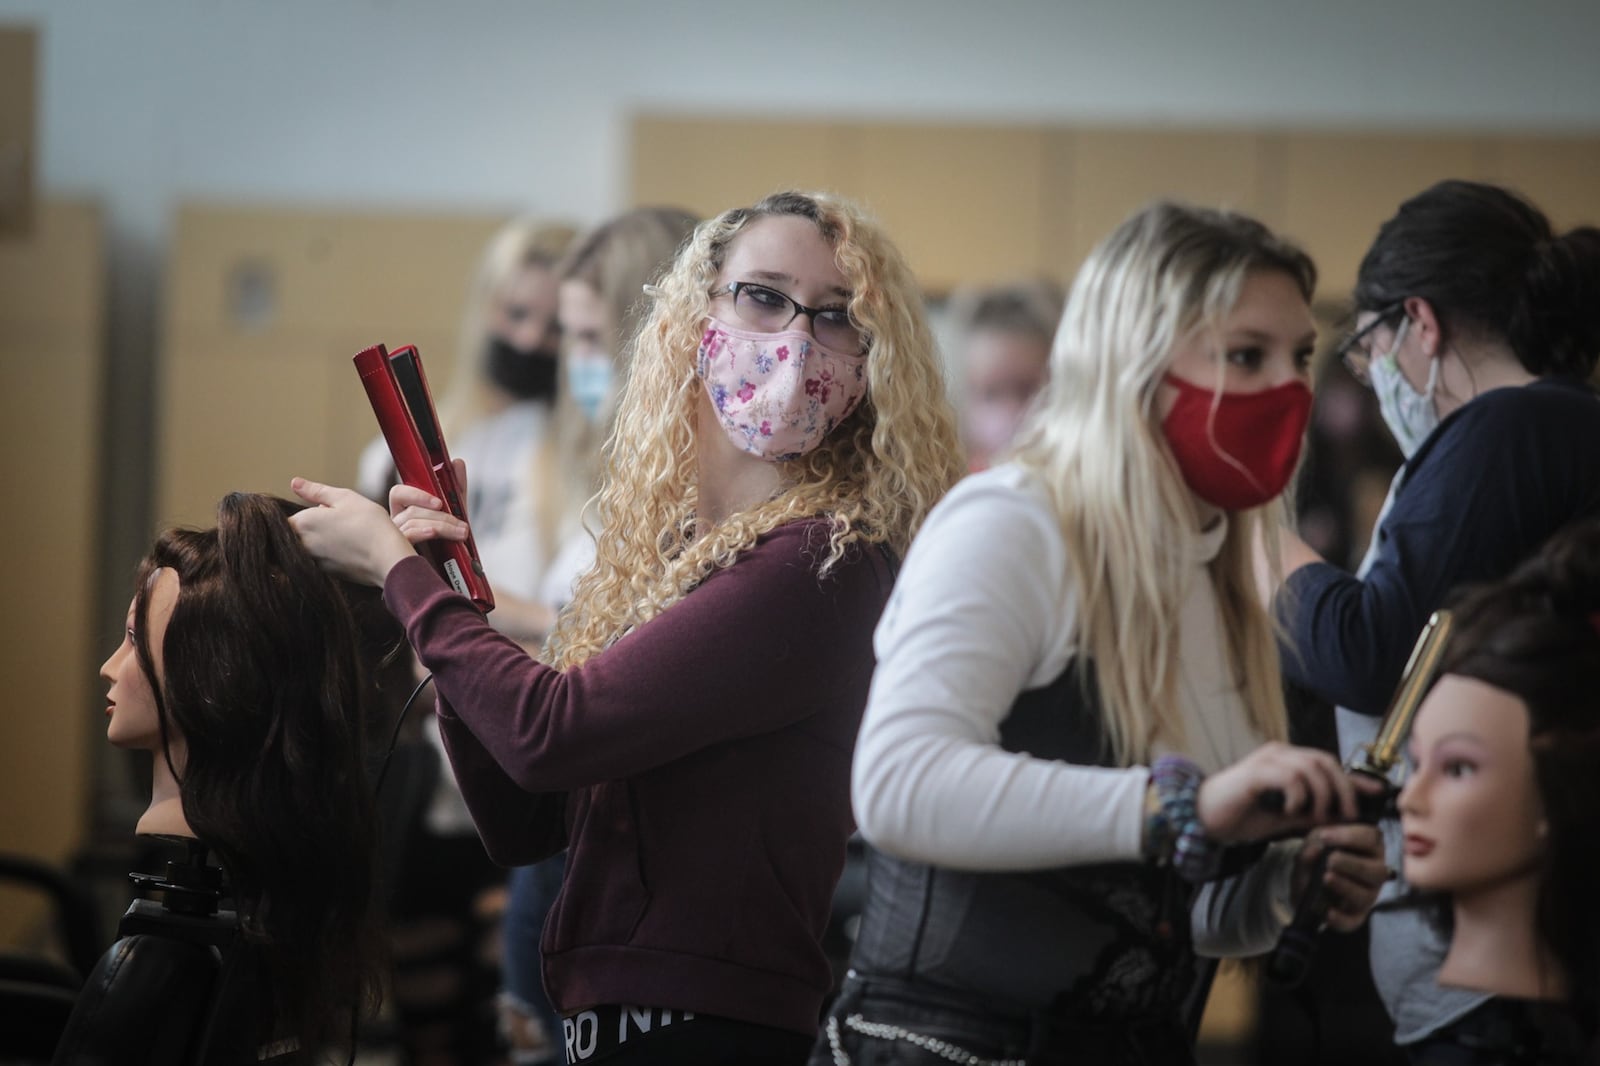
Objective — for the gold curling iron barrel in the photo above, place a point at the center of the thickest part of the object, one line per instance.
(1385, 751)
(1297, 946)
(1377, 759)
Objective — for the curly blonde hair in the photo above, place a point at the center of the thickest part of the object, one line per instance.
(874, 477)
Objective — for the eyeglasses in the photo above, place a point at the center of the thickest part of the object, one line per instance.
(770, 311)
(1353, 350)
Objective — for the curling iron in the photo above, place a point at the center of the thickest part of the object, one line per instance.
(1290, 961)
(398, 391)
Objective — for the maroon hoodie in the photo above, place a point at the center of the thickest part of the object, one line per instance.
(697, 772)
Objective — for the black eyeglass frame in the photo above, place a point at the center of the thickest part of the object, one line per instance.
(1359, 365)
(734, 288)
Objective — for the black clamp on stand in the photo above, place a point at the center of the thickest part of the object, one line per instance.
(210, 1002)
(189, 909)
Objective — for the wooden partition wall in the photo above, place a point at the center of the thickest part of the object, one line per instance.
(264, 309)
(52, 300)
(988, 203)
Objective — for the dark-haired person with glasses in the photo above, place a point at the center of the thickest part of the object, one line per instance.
(1478, 327)
(686, 734)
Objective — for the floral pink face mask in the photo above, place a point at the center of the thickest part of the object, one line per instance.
(778, 394)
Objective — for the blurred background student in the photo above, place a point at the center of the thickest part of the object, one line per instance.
(1002, 357)
(602, 301)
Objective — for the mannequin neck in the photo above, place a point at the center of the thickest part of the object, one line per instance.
(1495, 946)
(164, 816)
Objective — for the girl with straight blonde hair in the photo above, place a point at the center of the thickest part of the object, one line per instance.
(1076, 708)
(781, 434)
(602, 304)
(602, 301)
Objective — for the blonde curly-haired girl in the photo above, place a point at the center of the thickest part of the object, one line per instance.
(782, 432)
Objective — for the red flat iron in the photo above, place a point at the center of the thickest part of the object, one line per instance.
(398, 389)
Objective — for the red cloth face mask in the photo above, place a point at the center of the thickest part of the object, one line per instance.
(1237, 450)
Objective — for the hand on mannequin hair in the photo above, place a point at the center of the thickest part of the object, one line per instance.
(349, 534)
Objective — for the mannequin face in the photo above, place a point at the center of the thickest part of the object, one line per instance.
(1005, 370)
(1470, 809)
(130, 703)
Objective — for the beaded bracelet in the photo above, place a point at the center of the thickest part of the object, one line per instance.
(1173, 832)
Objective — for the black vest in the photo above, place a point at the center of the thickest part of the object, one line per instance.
(1089, 942)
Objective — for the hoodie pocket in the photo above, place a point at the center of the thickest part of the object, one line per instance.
(604, 895)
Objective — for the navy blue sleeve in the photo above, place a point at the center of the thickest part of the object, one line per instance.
(1495, 480)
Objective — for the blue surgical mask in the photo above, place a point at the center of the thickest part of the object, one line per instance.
(589, 377)
(1410, 415)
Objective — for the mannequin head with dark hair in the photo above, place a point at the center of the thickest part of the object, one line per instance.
(1503, 808)
(240, 672)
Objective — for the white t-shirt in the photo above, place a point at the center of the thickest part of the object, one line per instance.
(986, 608)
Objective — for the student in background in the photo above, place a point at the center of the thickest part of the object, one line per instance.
(602, 302)
(781, 435)
(1002, 354)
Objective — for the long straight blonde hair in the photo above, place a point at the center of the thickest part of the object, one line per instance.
(1096, 443)
(616, 260)
(874, 477)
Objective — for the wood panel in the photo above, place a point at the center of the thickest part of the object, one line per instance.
(265, 308)
(965, 203)
(1113, 172)
(52, 299)
(1339, 188)
(710, 165)
(248, 414)
(247, 423)
(975, 203)
(253, 270)
(1559, 174)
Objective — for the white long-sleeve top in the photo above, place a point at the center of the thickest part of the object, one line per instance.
(985, 608)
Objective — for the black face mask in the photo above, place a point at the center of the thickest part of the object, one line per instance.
(525, 375)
